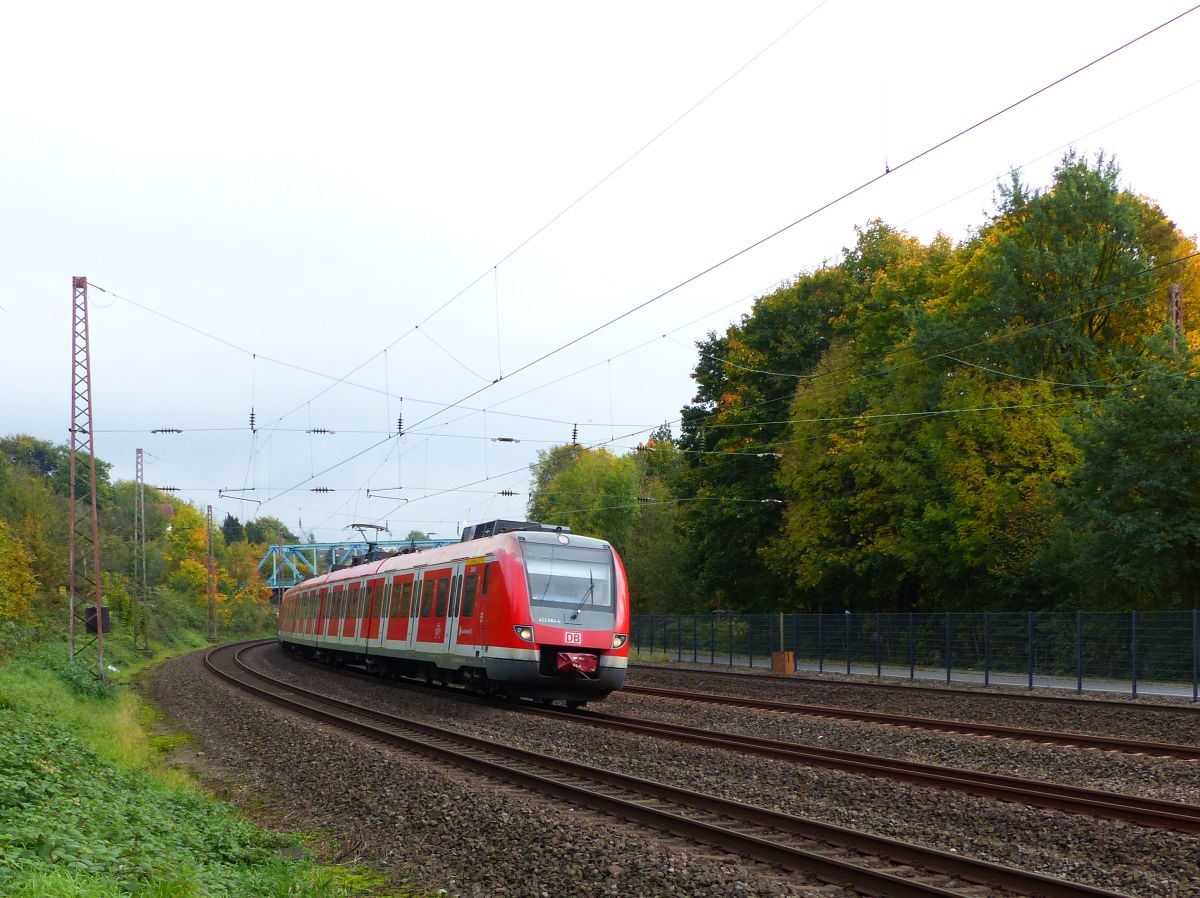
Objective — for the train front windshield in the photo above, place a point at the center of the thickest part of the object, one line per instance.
(569, 577)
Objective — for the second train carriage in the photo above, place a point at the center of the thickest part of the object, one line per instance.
(538, 612)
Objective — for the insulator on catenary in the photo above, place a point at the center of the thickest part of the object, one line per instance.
(575, 435)
(167, 430)
(322, 489)
(399, 425)
(253, 428)
(506, 493)
(167, 489)
(320, 430)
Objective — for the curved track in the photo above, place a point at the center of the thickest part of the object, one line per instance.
(1150, 812)
(870, 864)
(1044, 737)
(919, 687)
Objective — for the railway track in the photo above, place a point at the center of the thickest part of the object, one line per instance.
(1149, 812)
(920, 687)
(869, 864)
(1023, 734)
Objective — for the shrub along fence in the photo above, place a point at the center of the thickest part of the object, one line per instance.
(1154, 651)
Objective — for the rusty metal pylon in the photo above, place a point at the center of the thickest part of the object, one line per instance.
(84, 578)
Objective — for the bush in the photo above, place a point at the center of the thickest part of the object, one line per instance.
(83, 681)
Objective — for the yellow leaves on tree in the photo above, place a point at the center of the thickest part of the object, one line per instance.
(190, 578)
(17, 583)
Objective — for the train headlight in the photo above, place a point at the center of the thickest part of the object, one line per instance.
(619, 640)
(524, 633)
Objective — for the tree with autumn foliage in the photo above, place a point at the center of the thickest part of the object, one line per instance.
(908, 428)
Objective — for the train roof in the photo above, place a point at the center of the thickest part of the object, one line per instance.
(475, 548)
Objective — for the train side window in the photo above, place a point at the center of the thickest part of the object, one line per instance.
(487, 576)
(405, 598)
(455, 594)
(377, 608)
(468, 601)
(386, 589)
(443, 592)
(427, 598)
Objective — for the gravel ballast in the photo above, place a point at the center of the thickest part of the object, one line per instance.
(435, 827)
(1100, 717)
(1110, 854)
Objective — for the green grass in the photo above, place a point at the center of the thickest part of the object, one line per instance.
(89, 808)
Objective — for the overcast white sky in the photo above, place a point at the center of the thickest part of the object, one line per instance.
(307, 182)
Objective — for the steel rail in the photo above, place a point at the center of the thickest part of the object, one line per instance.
(1047, 737)
(919, 687)
(1149, 812)
(473, 753)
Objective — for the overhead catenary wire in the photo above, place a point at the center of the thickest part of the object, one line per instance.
(579, 199)
(1156, 29)
(929, 150)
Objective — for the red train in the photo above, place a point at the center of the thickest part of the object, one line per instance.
(516, 609)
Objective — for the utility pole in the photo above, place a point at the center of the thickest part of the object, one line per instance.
(212, 583)
(141, 633)
(1174, 312)
(85, 519)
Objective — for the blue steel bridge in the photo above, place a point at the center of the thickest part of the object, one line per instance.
(286, 565)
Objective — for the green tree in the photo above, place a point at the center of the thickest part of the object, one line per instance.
(232, 529)
(595, 493)
(1130, 531)
(269, 531)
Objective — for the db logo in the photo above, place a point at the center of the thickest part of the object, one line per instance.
(573, 637)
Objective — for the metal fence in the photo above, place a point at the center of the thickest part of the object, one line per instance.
(1126, 651)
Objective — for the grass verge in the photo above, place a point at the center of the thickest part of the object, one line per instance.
(89, 809)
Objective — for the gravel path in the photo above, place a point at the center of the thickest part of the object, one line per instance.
(435, 827)
(1104, 718)
(1111, 854)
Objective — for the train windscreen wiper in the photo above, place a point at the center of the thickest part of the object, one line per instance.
(587, 596)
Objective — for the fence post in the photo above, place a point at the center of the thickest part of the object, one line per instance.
(796, 642)
(1079, 651)
(1133, 652)
(650, 635)
(695, 637)
(679, 636)
(912, 648)
(820, 643)
(637, 633)
(987, 650)
(1029, 644)
(750, 639)
(878, 646)
(1195, 658)
(949, 648)
(848, 616)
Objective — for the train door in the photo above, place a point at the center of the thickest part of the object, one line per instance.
(321, 608)
(331, 620)
(401, 609)
(489, 600)
(435, 602)
(347, 606)
(419, 600)
(372, 608)
(456, 588)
